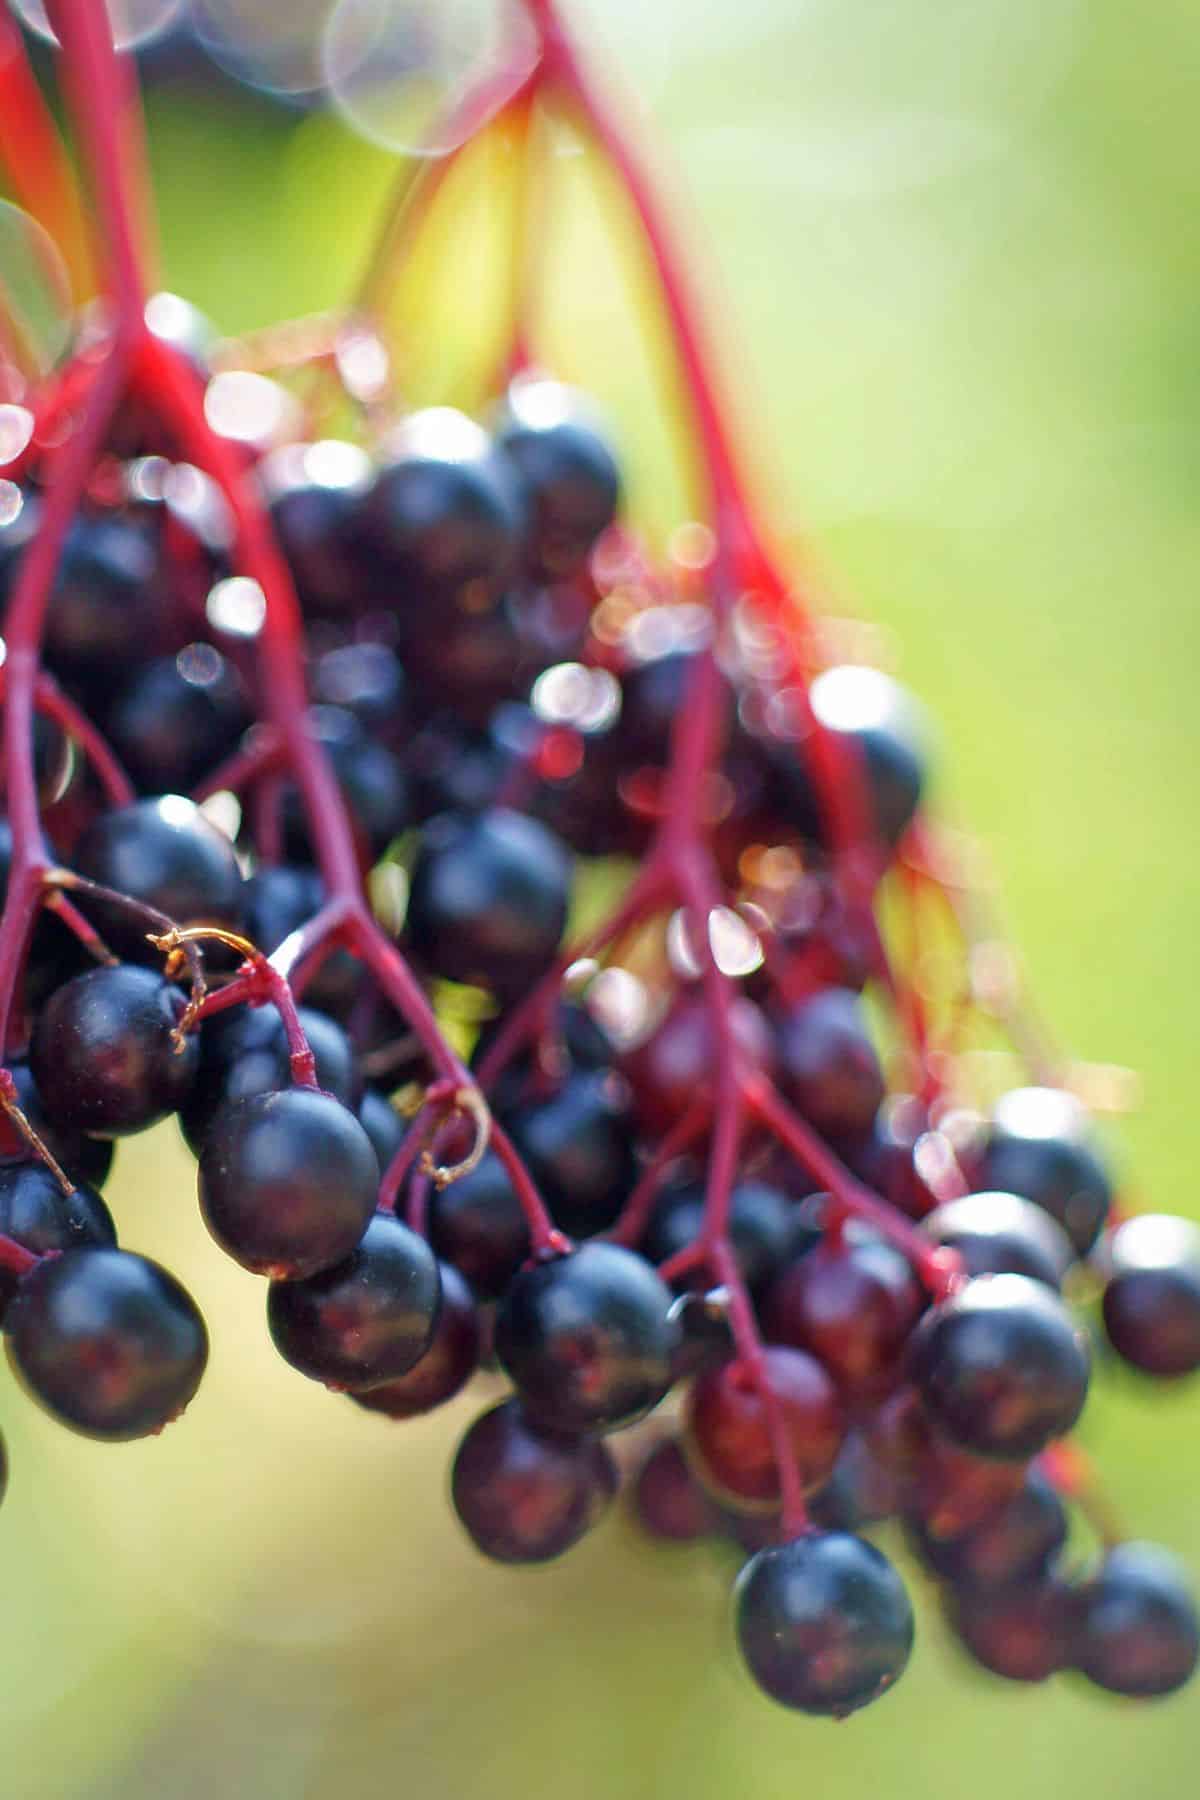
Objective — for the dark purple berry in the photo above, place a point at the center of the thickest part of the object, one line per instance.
(446, 1366)
(488, 902)
(107, 1341)
(477, 1224)
(1002, 1368)
(365, 1320)
(1152, 1297)
(288, 1182)
(828, 1064)
(824, 1623)
(1138, 1629)
(588, 1338)
(165, 853)
(578, 1145)
(526, 1495)
(669, 1503)
(35, 1212)
(1040, 1147)
(1001, 1234)
(104, 1054)
(1017, 1543)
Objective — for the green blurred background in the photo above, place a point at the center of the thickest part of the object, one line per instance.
(955, 271)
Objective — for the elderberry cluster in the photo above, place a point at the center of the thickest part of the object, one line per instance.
(873, 1319)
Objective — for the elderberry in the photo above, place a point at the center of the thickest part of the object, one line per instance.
(824, 1623)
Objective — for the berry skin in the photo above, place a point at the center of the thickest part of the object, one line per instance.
(669, 1504)
(1013, 1545)
(488, 903)
(165, 853)
(365, 1320)
(288, 1182)
(1039, 1147)
(447, 1365)
(578, 1146)
(1138, 1630)
(245, 1051)
(178, 718)
(824, 1623)
(477, 1224)
(445, 515)
(1002, 1368)
(103, 1054)
(764, 1226)
(828, 1063)
(569, 474)
(107, 1341)
(588, 1339)
(1024, 1633)
(728, 1436)
(382, 1124)
(1001, 1234)
(316, 494)
(1152, 1298)
(852, 1305)
(36, 1213)
(526, 1495)
(673, 1067)
(101, 615)
(372, 780)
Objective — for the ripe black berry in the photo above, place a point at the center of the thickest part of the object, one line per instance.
(443, 515)
(828, 1062)
(1039, 1147)
(1138, 1632)
(526, 1495)
(1024, 1633)
(851, 1305)
(1152, 1298)
(489, 896)
(288, 1182)
(588, 1339)
(1016, 1543)
(245, 1051)
(1001, 1234)
(85, 1159)
(824, 1623)
(103, 1054)
(165, 853)
(178, 718)
(445, 1367)
(569, 474)
(1002, 1368)
(35, 1211)
(107, 1341)
(477, 1224)
(763, 1227)
(365, 1320)
(669, 1502)
(578, 1145)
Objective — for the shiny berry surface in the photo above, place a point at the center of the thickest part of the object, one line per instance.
(1002, 1234)
(1138, 1629)
(166, 853)
(105, 1055)
(107, 1341)
(366, 1320)
(525, 1495)
(824, 1623)
(444, 1368)
(1151, 1300)
(1002, 1368)
(588, 1338)
(488, 903)
(477, 1224)
(288, 1182)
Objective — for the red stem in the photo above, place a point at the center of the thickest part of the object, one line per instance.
(939, 1270)
(34, 158)
(24, 624)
